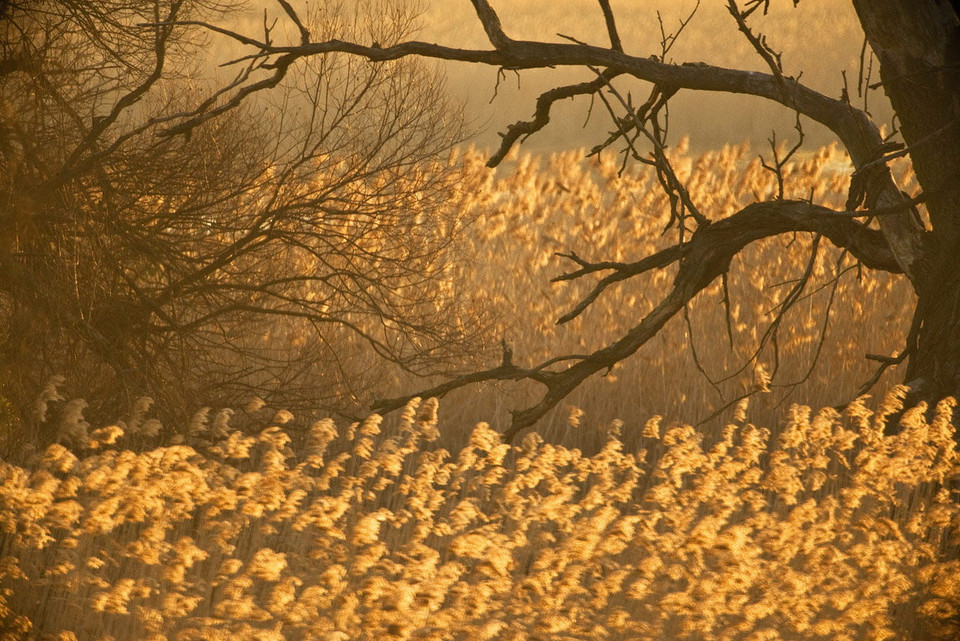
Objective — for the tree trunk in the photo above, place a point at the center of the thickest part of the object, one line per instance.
(918, 45)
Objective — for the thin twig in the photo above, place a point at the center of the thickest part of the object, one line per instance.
(608, 17)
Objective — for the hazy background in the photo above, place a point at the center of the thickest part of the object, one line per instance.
(819, 39)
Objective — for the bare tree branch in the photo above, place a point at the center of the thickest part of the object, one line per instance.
(491, 24)
(524, 128)
(759, 43)
(705, 257)
(857, 132)
(855, 129)
(608, 17)
(779, 163)
(304, 32)
(897, 247)
(622, 271)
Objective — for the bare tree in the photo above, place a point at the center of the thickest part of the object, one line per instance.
(918, 47)
(270, 251)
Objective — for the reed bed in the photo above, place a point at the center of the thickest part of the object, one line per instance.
(832, 530)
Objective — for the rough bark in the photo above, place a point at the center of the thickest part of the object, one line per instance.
(918, 45)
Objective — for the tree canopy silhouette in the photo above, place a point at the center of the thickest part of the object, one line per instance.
(257, 253)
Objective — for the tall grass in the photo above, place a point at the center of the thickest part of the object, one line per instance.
(833, 531)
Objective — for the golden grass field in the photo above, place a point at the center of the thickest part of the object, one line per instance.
(618, 520)
(830, 531)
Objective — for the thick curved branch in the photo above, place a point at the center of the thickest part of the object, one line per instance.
(491, 24)
(867, 245)
(705, 257)
(709, 253)
(854, 127)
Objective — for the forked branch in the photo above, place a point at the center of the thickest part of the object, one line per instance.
(758, 42)
(621, 271)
